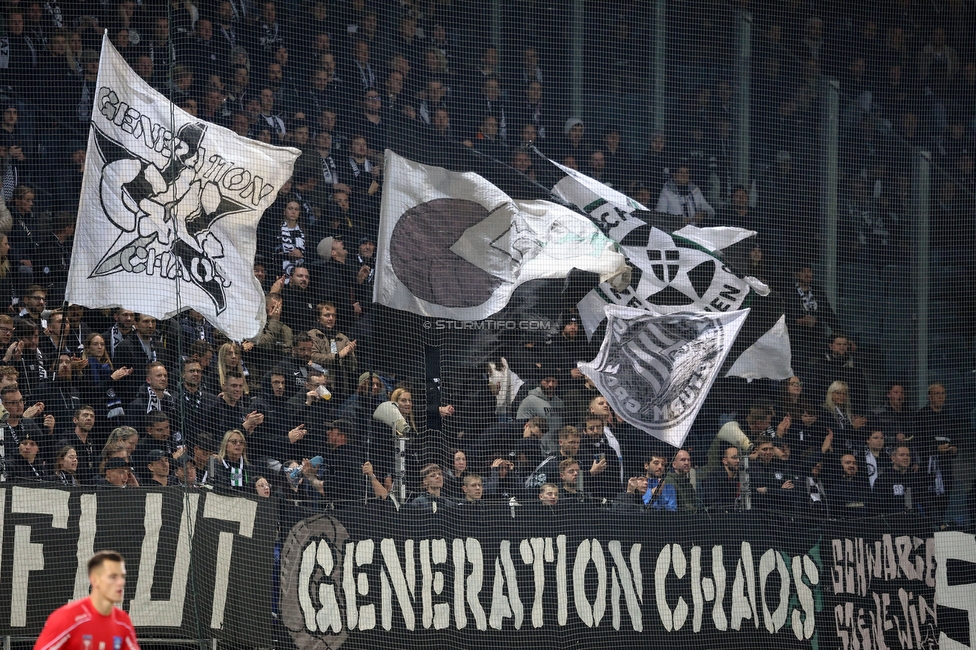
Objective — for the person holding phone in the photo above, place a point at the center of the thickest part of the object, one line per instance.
(603, 449)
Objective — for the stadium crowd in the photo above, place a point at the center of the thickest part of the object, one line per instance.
(308, 409)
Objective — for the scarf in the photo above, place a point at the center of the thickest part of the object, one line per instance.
(153, 403)
(66, 479)
(367, 166)
(615, 445)
(117, 338)
(807, 299)
(238, 477)
(872, 464)
(329, 171)
(367, 76)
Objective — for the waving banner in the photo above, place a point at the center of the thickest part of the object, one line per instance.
(656, 369)
(452, 245)
(169, 208)
(684, 270)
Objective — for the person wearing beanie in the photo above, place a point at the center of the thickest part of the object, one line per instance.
(542, 401)
(573, 144)
(359, 407)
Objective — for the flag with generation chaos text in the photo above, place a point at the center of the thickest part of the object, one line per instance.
(656, 368)
(452, 245)
(169, 208)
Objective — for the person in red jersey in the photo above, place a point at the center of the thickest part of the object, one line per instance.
(93, 623)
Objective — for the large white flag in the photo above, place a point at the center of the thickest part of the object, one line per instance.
(169, 208)
(679, 271)
(655, 368)
(452, 245)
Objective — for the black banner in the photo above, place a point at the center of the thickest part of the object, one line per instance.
(199, 564)
(476, 577)
(881, 585)
(480, 577)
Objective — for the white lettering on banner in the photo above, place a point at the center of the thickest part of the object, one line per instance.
(86, 543)
(769, 562)
(632, 591)
(768, 607)
(743, 605)
(862, 568)
(433, 552)
(915, 624)
(712, 588)
(590, 550)
(858, 561)
(953, 546)
(309, 556)
(562, 583)
(503, 607)
(364, 617)
(469, 551)
(48, 502)
(225, 508)
(53, 527)
(672, 558)
(404, 581)
(29, 556)
(162, 140)
(534, 552)
(328, 617)
(803, 627)
(143, 610)
(666, 559)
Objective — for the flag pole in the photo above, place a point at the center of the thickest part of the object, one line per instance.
(64, 318)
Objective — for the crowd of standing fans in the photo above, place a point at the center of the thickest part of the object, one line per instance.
(310, 408)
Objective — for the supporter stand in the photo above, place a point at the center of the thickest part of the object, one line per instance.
(298, 507)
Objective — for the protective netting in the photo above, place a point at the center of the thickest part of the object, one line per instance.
(432, 466)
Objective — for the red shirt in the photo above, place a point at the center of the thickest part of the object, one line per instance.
(79, 626)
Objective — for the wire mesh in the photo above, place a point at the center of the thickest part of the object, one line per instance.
(403, 449)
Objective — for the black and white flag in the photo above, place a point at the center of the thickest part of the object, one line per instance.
(655, 368)
(452, 245)
(169, 208)
(680, 271)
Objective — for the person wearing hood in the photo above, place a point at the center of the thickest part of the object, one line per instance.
(542, 401)
(565, 350)
(60, 396)
(360, 406)
(269, 440)
(682, 198)
(656, 163)
(311, 411)
(838, 363)
(573, 143)
(338, 281)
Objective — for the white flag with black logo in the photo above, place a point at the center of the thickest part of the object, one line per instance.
(452, 245)
(679, 271)
(655, 368)
(169, 208)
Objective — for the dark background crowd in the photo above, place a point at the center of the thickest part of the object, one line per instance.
(310, 409)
